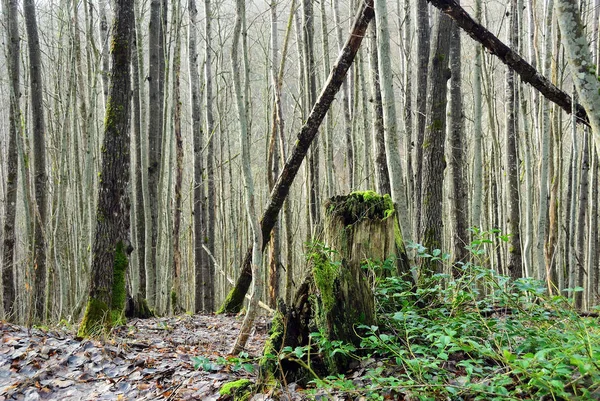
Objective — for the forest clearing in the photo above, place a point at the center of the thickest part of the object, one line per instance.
(288, 199)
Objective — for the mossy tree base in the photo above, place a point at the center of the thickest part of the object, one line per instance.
(137, 307)
(336, 296)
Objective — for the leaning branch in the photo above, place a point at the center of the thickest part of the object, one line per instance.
(308, 132)
(509, 57)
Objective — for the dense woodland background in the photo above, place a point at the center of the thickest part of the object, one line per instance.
(468, 143)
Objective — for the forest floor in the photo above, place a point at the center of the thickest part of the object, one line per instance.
(172, 358)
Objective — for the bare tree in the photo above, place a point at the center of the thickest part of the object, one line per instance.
(39, 151)
(111, 246)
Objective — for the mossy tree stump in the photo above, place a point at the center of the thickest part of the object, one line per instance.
(337, 294)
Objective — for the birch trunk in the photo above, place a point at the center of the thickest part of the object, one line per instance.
(477, 169)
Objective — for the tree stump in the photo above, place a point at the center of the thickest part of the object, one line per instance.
(336, 295)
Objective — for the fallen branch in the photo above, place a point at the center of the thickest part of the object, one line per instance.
(509, 57)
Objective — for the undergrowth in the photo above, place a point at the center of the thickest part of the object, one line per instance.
(479, 336)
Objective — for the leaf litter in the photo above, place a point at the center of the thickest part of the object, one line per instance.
(151, 359)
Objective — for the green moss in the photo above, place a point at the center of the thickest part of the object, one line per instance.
(233, 303)
(325, 273)
(239, 389)
(268, 364)
(360, 205)
(119, 293)
(96, 319)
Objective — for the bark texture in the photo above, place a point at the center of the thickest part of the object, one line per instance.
(106, 304)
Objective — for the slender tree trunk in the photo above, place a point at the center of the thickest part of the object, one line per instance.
(176, 292)
(512, 161)
(390, 129)
(406, 40)
(257, 237)
(382, 175)
(422, 22)
(345, 104)
(197, 135)
(155, 138)
(209, 238)
(311, 93)
(477, 169)
(39, 151)
(10, 200)
(435, 134)
(459, 205)
(329, 119)
(111, 246)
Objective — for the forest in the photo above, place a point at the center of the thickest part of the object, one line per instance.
(297, 199)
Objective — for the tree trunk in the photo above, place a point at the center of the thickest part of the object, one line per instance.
(106, 304)
(459, 203)
(10, 201)
(257, 238)
(512, 161)
(392, 148)
(308, 132)
(382, 174)
(208, 271)
(39, 154)
(477, 168)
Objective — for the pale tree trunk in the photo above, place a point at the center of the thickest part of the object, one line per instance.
(273, 160)
(571, 205)
(105, 69)
(435, 134)
(257, 238)
(477, 169)
(368, 170)
(10, 200)
(382, 175)
(208, 271)
(39, 155)
(459, 204)
(111, 246)
(580, 59)
(512, 161)
(176, 300)
(329, 174)
(310, 90)
(422, 23)
(406, 44)
(345, 103)
(394, 163)
(198, 209)
(546, 136)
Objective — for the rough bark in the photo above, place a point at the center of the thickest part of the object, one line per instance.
(308, 132)
(197, 137)
(434, 141)
(106, 304)
(512, 162)
(10, 201)
(208, 271)
(39, 154)
(509, 57)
